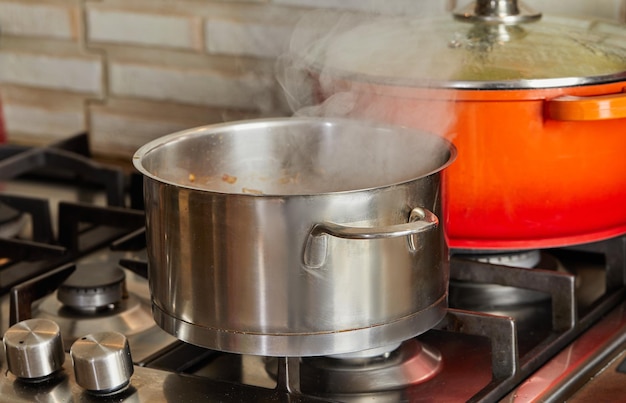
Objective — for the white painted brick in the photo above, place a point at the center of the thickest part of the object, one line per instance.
(252, 31)
(245, 38)
(121, 136)
(41, 122)
(247, 90)
(121, 126)
(49, 64)
(362, 5)
(48, 71)
(41, 114)
(425, 7)
(124, 26)
(36, 18)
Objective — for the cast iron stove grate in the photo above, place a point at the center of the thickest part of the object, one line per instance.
(83, 228)
(514, 357)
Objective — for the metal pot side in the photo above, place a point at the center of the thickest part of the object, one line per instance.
(299, 274)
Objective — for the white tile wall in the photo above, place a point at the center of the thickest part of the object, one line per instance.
(191, 79)
(150, 29)
(42, 115)
(49, 64)
(40, 123)
(120, 126)
(58, 19)
(149, 60)
(247, 91)
(422, 7)
(261, 39)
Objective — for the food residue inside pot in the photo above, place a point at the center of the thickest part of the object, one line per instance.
(251, 191)
(216, 182)
(229, 178)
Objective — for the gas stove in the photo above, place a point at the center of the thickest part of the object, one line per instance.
(522, 326)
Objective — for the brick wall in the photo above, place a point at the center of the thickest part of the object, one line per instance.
(129, 71)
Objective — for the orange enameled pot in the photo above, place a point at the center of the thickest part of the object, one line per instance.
(536, 167)
(536, 108)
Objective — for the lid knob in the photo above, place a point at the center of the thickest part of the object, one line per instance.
(497, 12)
(34, 349)
(102, 363)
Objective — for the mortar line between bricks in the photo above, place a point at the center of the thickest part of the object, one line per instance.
(104, 77)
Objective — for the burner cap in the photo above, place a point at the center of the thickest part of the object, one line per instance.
(411, 363)
(91, 287)
(524, 259)
(384, 351)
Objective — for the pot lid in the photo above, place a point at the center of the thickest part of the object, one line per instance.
(492, 45)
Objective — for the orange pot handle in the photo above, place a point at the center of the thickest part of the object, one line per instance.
(601, 107)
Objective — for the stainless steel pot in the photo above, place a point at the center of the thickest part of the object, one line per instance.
(295, 237)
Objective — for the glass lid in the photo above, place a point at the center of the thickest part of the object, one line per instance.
(477, 48)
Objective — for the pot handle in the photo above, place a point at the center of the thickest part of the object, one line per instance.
(420, 220)
(601, 107)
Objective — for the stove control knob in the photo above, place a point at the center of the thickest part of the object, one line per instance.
(102, 362)
(34, 349)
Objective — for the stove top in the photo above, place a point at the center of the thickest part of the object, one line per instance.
(521, 326)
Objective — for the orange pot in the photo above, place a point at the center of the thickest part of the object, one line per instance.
(535, 106)
(536, 168)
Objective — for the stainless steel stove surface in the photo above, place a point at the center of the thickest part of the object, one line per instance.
(544, 325)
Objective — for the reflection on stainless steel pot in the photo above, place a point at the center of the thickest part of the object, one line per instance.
(3, 136)
(538, 106)
(296, 237)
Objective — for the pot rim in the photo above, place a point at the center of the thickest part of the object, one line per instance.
(526, 84)
(153, 145)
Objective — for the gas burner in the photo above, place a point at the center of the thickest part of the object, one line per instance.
(524, 259)
(410, 364)
(487, 297)
(372, 353)
(91, 289)
(93, 298)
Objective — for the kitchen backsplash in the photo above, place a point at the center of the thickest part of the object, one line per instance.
(128, 71)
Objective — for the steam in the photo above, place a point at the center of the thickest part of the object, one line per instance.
(369, 67)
